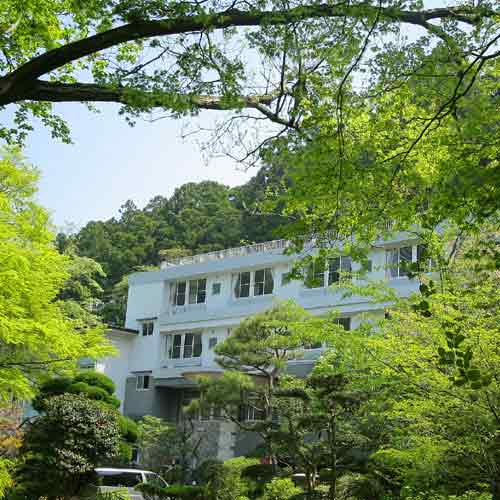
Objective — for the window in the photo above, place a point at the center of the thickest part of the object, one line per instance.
(119, 479)
(330, 272)
(216, 288)
(263, 282)
(338, 266)
(316, 274)
(180, 293)
(184, 346)
(260, 282)
(147, 328)
(142, 382)
(212, 342)
(197, 291)
(242, 288)
(194, 290)
(251, 412)
(192, 345)
(398, 261)
(344, 322)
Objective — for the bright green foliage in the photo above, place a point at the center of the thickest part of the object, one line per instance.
(5, 476)
(440, 412)
(36, 336)
(228, 483)
(62, 447)
(82, 293)
(280, 489)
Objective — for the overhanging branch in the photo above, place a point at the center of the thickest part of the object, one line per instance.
(27, 74)
(90, 92)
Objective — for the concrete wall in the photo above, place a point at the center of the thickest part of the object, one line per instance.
(138, 403)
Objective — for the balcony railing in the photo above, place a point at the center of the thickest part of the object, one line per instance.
(264, 247)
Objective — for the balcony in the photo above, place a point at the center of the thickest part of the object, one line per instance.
(257, 248)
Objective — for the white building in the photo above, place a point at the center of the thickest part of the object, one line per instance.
(182, 311)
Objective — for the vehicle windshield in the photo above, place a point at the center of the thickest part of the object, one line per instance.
(155, 480)
(120, 479)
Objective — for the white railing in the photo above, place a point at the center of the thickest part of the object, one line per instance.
(264, 247)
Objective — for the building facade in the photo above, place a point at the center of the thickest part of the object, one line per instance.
(182, 311)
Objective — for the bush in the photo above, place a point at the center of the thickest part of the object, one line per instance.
(227, 482)
(128, 429)
(468, 495)
(96, 379)
(62, 447)
(281, 489)
(359, 487)
(172, 492)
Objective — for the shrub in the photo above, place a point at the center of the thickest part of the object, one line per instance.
(172, 492)
(96, 379)
(468, 495)
(62, 447)
(281, 489)
(128, 429)
(359, 487)
(227, 482)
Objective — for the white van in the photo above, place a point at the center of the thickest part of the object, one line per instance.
(111, 479)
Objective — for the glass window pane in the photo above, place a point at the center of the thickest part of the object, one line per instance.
(180, 293)
(244, 288)
(258, 288)
(392, 262)
(268, 282)
(193, 291)
(202, 291)
(404, 260)
(146, 382)
(197, 346)
(188, 345)
(345, 323)
(333, 270)
(176, 348)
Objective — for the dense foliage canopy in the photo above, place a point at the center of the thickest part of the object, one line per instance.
(36, 336)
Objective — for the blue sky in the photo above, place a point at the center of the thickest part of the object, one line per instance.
(110, 162)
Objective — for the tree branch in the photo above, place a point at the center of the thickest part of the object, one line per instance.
(90, 92)
(28, 74)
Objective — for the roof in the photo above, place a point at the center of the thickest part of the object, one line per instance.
(126, 331)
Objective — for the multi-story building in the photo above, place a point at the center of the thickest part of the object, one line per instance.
(182, 311)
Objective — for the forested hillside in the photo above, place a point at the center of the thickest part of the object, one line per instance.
(198, 217)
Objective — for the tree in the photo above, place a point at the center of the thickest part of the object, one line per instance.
(61, 448)
(44, 50)
(36, 337)
(432, 369)
(97, 387)
(157, 443)
(255, 356)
